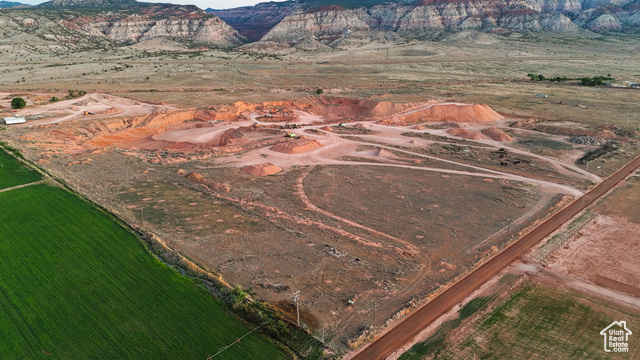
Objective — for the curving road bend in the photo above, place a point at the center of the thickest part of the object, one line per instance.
(417, 321)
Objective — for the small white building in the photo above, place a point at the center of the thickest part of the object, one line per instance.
(14, 120)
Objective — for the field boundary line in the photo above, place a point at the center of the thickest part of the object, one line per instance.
(24, 185)
(156, 247)
(401, 333)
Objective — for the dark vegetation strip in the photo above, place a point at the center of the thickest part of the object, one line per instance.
(292, 339)
(74, 284)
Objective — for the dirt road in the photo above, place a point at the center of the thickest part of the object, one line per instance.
(417, 321)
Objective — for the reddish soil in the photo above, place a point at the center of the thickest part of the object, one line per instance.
(458, 132)
(210, 184)
(600, 255)
(497, 134)
(412, 325)
(568, 129)
(452, 124)
(297, 146)
(474, 136)
(466, 134)
(452, 113)
(200, 130)
(261, 170)
(390, 214)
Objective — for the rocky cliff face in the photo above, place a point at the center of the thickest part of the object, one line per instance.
(294, 21)
(148, 21)
(623, 16)
(80, 23)
(131, 29)
(254, 22)
(306, 24)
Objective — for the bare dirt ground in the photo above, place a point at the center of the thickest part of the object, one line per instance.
(89, 107)
(382, 219)
(590, 280)
(384, 209)
(604, 253)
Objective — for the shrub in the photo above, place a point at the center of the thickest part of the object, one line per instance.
(18, 103)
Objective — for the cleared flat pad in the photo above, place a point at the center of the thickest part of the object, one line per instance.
(13, 173)
(76, 285)
(537, 321)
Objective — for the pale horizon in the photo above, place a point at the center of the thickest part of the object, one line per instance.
(203, 4)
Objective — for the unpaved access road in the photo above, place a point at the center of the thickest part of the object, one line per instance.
(416, 322)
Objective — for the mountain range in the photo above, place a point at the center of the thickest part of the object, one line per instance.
(9, 4)
(74, 23)
(327, 20)
(319, 21)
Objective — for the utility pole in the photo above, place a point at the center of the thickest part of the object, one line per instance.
(323, 331)
(375, 311)
(388, 53)
(296, 298)
(142, 214)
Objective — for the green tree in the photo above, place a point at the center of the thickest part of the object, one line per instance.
(18, 103)
(319, 91)
(54, 99)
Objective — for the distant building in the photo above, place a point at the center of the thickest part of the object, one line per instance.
(542, 96)
(14, 120)
(635, 86)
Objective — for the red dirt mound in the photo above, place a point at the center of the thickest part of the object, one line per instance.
(453, 113)
(471, 135)
(213, 185)
(419, 127)
(190, 125)
(497, 134)
(337, 109)
(386, 108)
(458, 131)
(452, 125)
(298, 146)
(474, 136)
(326, 128)
(261, 170)
(226, 137)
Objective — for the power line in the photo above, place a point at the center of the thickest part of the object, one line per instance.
(237, 341)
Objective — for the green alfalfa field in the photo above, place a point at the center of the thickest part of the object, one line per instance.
(13, 173)
(75, 284)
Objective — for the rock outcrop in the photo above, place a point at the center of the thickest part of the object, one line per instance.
(91, 22)
(174, 22)
(254, 22)
(312, 24)
(297, 22)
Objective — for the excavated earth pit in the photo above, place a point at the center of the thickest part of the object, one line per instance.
(352, 210)
(241, 126)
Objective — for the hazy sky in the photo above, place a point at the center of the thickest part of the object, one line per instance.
(216, 4)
